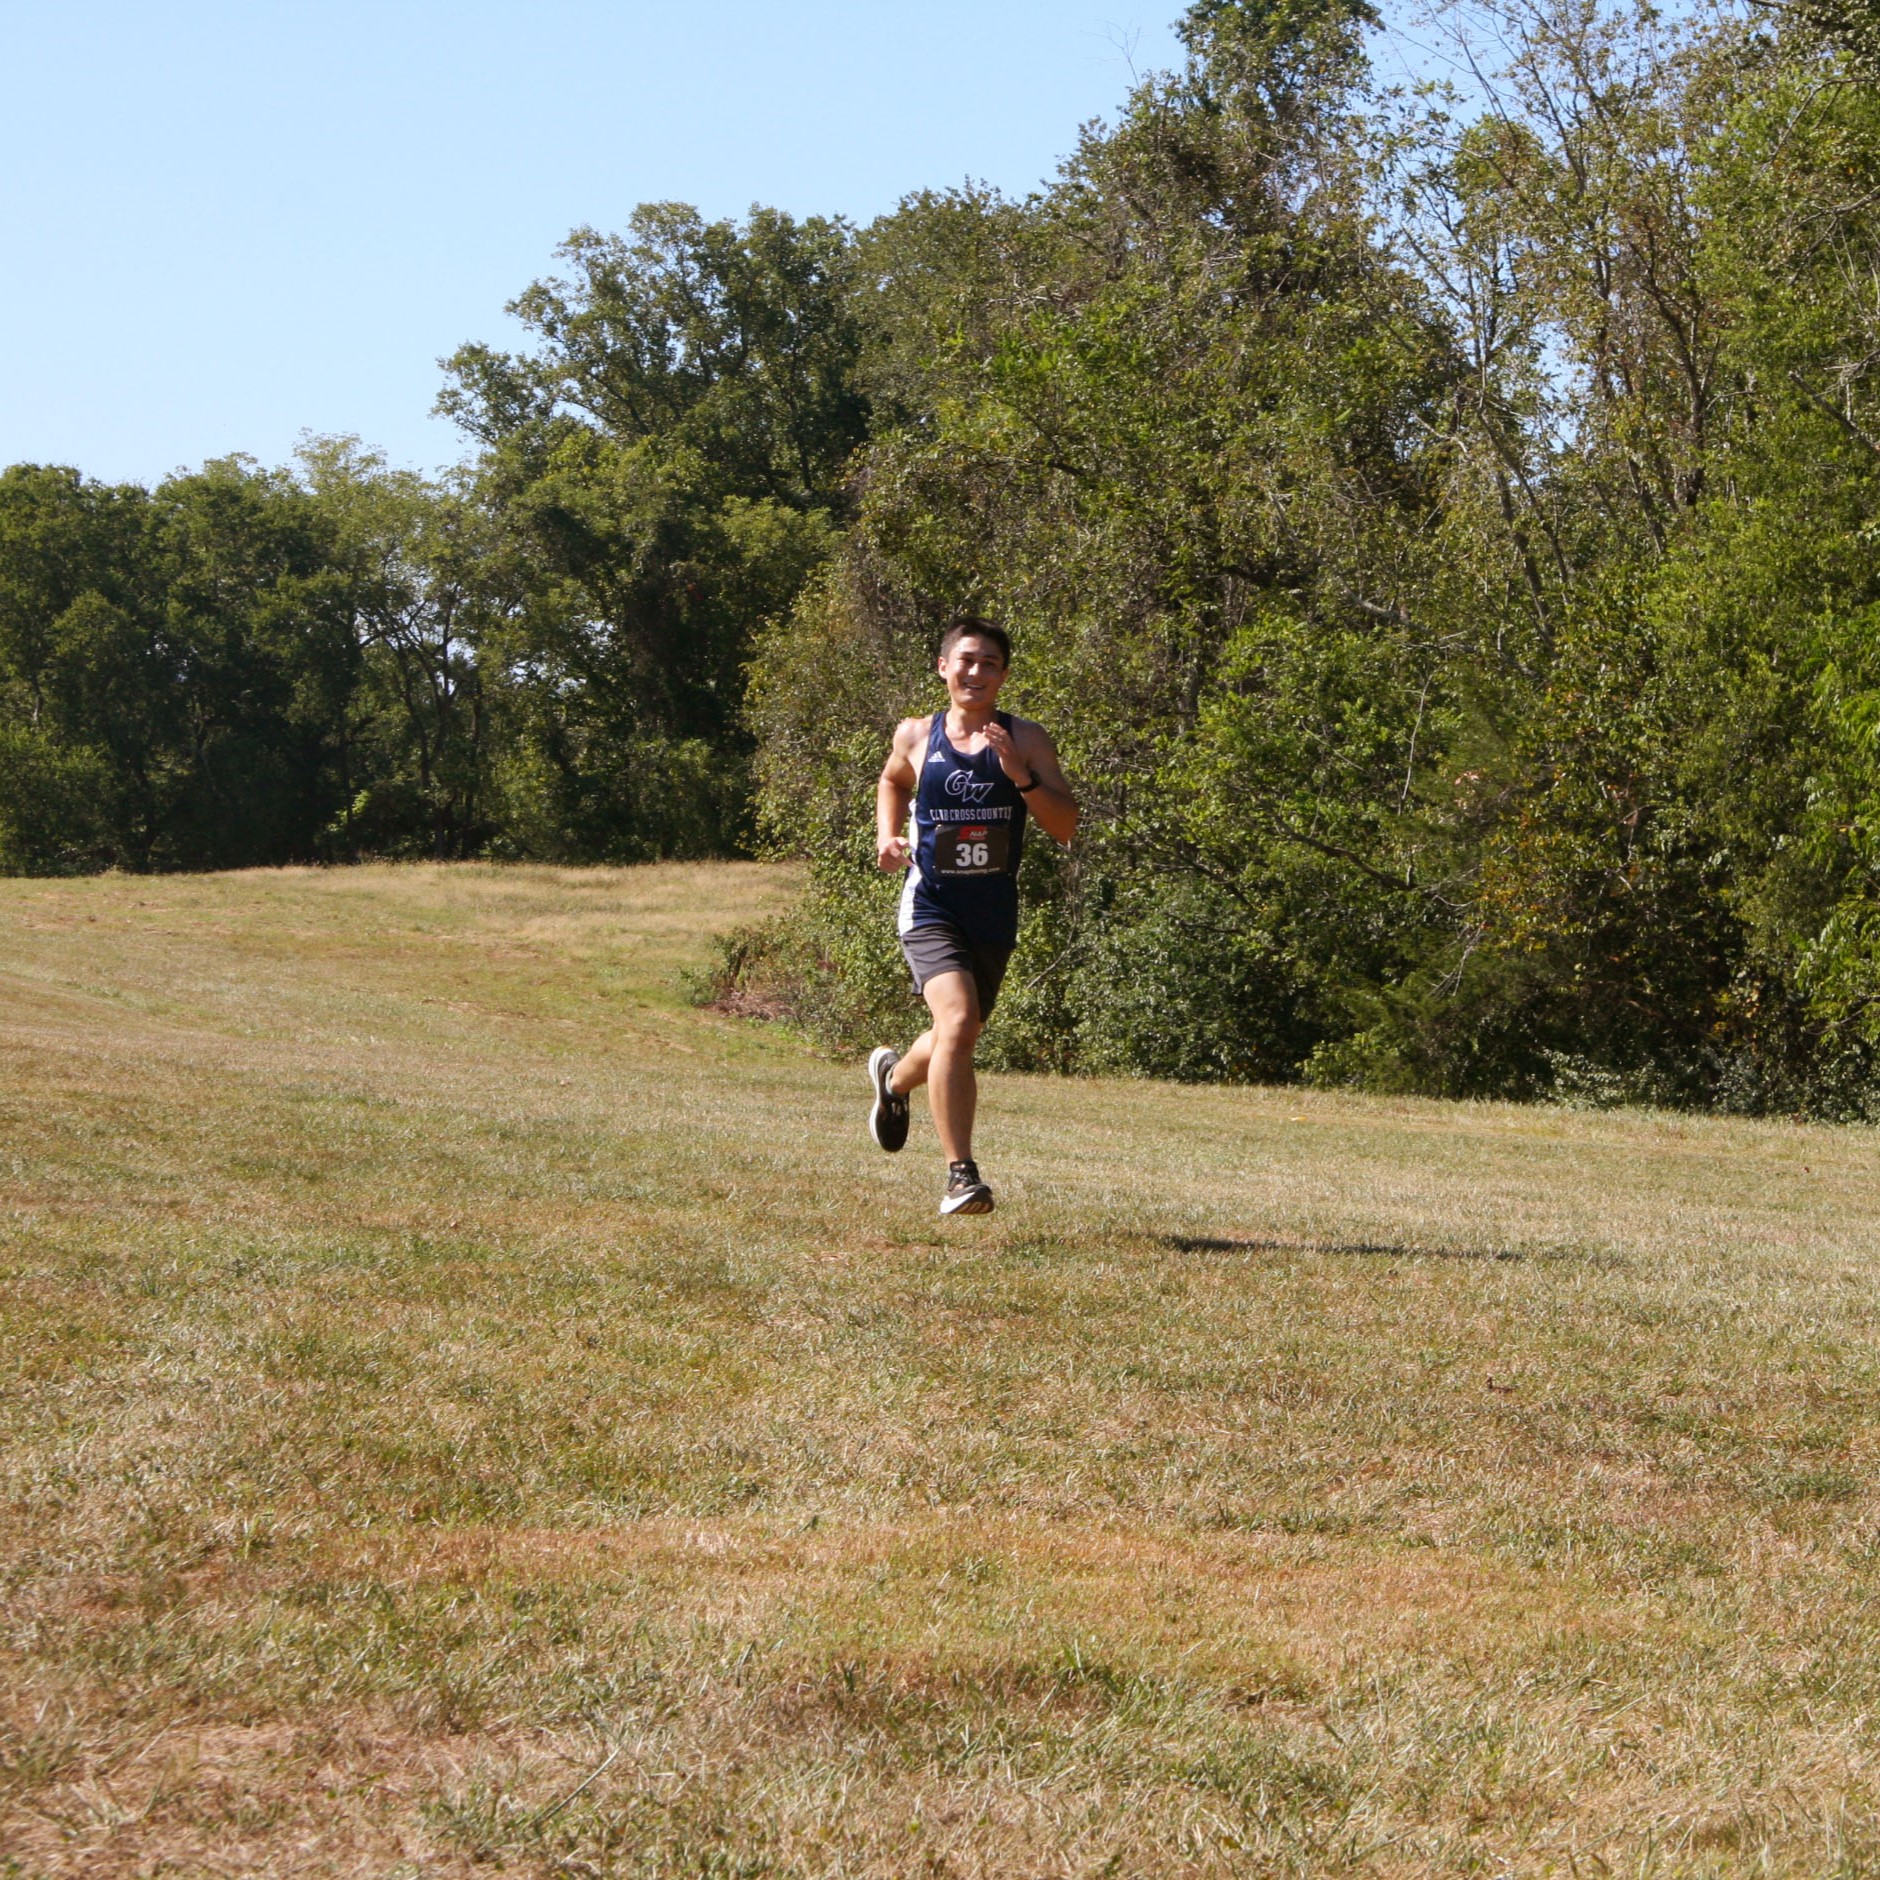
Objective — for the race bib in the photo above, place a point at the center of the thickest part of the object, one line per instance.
(971, 848)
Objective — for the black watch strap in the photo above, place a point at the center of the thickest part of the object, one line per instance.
(1024, 788)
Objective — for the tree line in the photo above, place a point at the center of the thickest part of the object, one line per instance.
(540, 656)
(1440, 525)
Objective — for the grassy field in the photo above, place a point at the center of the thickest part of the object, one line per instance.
(465, 1410)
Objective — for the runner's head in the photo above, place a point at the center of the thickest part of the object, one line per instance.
(970, 626)
(974, 658)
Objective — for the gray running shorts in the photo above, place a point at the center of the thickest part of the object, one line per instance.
(932, 951)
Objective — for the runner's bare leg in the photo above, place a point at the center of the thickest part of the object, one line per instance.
(908, 1075)
(942, 1058)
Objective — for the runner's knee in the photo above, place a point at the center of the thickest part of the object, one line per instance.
(956, 1020)
(963, 1029)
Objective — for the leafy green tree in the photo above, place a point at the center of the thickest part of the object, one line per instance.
(253, 657)
(1168, 422)
(1443, 541)
(175, 664)
(1851, 26)
(431, 598)
(68, 549)
(665, 469)
(1644, 246)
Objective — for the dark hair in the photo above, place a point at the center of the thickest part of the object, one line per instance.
(970, 626)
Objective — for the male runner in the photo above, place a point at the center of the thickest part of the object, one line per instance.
(972, 775)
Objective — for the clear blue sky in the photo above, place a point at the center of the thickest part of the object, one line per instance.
(229, 221)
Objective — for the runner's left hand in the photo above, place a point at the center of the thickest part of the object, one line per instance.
(999, 742)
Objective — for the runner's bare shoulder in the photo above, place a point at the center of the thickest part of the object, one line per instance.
(1029, 734)
(907, 736)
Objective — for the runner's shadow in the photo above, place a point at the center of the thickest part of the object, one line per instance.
(1354, 1249)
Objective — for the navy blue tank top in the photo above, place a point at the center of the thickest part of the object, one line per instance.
(969, 832)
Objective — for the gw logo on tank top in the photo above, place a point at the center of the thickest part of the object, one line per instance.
(963, 784)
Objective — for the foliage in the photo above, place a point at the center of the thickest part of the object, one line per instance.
(1177, 445)
(1440, 528)
(174, 664)
(663, 473)
(1440, 537)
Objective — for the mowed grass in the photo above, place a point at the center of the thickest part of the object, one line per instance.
(466, 1410)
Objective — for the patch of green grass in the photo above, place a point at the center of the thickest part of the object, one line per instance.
(470, 1410)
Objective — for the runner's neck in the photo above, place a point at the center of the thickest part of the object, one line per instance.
(967, 722)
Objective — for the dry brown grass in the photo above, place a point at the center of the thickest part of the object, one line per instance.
(468, 1409)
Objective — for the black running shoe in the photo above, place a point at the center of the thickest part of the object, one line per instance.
(966, 1193)
(887, 1121)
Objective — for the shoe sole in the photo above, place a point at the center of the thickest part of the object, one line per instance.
(877, 1112)
(979, 1201)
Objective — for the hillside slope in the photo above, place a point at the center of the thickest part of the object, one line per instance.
(467, 1406)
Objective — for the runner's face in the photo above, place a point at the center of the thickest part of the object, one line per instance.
(974, 672)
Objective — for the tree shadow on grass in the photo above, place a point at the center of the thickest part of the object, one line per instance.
(1354, 1249)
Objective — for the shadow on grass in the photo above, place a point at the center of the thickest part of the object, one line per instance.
(1354, 1249)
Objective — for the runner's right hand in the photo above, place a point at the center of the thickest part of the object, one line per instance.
(891, 856)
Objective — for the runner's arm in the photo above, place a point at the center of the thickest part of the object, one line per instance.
(1052, 805)
(894, 791)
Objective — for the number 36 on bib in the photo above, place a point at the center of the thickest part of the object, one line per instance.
(971, 848)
